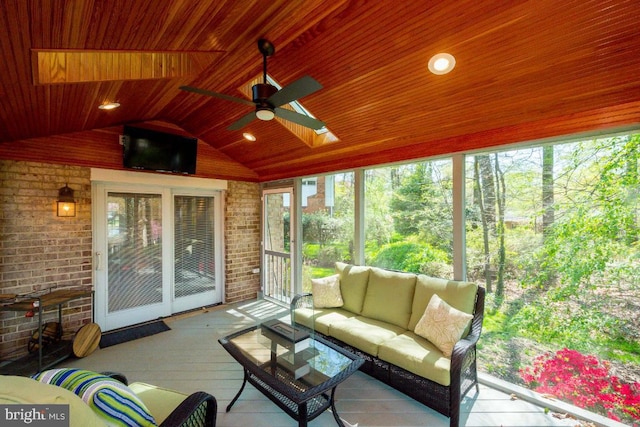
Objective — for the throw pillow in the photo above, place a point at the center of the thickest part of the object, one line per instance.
(111, 400)
(326, 292)
(442, 324)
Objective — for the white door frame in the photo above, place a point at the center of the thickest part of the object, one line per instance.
(104, 181)
(292, 241)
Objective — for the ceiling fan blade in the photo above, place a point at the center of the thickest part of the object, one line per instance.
(217, 95)
(298, 118)
(242, 121)
(300, 88)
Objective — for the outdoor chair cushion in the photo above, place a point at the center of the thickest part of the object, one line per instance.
(24, 390)
(160, 401)
(115, 403)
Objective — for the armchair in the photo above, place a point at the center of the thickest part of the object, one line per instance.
(173, 409)
(94, 399)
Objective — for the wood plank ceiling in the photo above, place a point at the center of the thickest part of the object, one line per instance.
(525, 70)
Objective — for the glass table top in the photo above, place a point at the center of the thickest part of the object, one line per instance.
(311, 361)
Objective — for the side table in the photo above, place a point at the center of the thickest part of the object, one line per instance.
(39, 303)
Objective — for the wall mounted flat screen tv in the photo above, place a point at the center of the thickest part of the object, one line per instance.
(158, 151)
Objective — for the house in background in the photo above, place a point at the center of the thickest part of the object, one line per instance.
(524, 71)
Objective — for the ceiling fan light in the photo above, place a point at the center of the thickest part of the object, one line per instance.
(264, 113)
(441, 63)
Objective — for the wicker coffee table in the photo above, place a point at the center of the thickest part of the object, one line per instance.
(301, 378)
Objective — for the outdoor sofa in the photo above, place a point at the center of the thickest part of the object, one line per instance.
(384, 316)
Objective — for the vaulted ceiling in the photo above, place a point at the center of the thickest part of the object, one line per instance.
(525, 70)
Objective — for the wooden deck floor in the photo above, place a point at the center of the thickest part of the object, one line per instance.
(188, 358)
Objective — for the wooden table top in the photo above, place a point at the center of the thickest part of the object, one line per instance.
(49, 299)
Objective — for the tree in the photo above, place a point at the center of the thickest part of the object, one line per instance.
(547, 190)
(408, 200)
(477, 191)
(421, 204)
(488, 191)
(500, 231)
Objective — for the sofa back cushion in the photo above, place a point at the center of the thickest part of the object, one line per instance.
(389, 296)
(353, 285)
(459, 295)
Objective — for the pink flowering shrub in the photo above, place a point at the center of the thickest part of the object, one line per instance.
(584, 381)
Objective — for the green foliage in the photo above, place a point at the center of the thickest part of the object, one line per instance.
(328, 255)
(319, 227)
(325, 256)
(600, 225)
(409, 255)
(310, 251)
(520, 243)
(420, 205)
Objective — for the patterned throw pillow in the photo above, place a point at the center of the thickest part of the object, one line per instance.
(326, 292)
(111, 400)
(442, 324)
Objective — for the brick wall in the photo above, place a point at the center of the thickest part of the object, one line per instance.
(38, 250)
(242, 240)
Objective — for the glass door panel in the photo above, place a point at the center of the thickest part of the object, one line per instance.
(134, 259)
(277, 270)
(194, 246)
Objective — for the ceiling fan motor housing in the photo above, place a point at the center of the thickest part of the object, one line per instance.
(262, 92)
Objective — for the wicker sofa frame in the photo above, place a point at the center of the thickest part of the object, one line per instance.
(444, 399)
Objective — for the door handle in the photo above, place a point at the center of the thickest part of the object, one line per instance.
(98, 261)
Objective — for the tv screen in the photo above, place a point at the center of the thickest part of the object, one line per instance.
(159, 151)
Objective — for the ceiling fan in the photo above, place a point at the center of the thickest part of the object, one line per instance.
(267, 99)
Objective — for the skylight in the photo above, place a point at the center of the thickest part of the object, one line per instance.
(298, 107)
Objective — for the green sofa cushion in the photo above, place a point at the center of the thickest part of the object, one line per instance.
(389, 296)
(459, 295)
(353, 285)
(320, 319)
(364, 333)
(415, 354)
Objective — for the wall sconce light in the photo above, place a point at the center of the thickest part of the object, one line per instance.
(66, 203)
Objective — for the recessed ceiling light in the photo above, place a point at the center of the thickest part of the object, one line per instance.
(109, 106)
(248, 136)
(441, 63)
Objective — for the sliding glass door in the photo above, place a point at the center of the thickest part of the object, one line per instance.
(157, 253)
